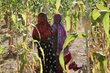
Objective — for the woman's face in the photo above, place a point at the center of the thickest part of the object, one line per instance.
(57, 18)
(41, 20)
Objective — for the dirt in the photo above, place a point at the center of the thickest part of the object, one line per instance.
(77, 49)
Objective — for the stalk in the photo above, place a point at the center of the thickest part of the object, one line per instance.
(87, 52)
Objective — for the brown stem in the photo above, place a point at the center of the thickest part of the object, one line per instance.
(87, 52)
(10, 31)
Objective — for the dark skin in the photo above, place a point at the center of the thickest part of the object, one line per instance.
(57, 20)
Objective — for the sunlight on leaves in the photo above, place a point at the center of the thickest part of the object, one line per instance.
(101, 7)
(14, 18)
(24, 17)
(95, 14)
(57, 5)
(106, 24)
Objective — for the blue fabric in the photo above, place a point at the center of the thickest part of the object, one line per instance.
(61, 36)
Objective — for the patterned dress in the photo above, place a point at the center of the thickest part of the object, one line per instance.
(49, 64)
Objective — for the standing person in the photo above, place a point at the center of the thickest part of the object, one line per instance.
(60, 36)
(42, 33)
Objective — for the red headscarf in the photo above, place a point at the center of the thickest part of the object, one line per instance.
(43, 27)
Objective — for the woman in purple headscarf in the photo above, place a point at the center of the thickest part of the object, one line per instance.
(59, 38)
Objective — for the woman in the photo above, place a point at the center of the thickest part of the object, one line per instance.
(60, 35)
(42, 33)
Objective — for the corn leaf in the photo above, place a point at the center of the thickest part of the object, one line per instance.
(39, 48)
(24, 18)
(14, 18)
(68, 25)
(95, 14)
(69, 38)
(101, 7)
(61, 60)
(102, 62)
(35, 41)
(57, 5)
(22, 62)
(106, 24)
(68, 21)
(1, 50)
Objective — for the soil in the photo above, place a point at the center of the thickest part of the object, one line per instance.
(8, 63)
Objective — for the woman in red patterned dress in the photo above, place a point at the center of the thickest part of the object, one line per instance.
(42, 33)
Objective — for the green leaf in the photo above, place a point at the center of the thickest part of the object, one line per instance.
(14, 1)
(14, 18)
(93, 70)
(95, 14)
(105, 63)
(106, 24)
(69, 38)
(102, 60)
(40, 61)
(1, 50)
(101, 7)
(42, 51)
(81, 35)
(24, 18)
(57, 5)
(68, 23)
(22, 62)
(61, 60)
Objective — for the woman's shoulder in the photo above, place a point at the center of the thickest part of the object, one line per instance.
(37, 25)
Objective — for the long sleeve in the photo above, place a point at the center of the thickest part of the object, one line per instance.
(41, 32)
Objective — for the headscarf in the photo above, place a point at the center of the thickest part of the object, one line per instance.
(43, 27)
(42, 18)
(57, 18)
